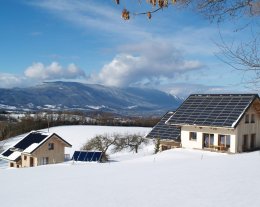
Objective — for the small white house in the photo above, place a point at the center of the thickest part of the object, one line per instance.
(221, 122)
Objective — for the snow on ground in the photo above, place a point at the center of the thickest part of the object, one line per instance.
(177, 177)
(77, 135)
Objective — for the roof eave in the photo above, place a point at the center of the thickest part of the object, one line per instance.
(211, 126)
(10, 160)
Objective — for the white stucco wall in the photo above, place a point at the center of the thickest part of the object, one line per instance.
(198, 144)
(249, 128)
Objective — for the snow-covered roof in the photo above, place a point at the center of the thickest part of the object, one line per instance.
(14, 155)
(31, 148)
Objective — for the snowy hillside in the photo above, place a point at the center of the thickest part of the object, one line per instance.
(177, 177)
(60, 96)
(77, 135)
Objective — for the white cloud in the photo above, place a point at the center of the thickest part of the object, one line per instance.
(53, 71)
(10, 80)
(91, 14)
(35, 71)
(152, 61)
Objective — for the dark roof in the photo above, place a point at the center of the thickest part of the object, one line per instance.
(32, 137)
(165, 131)
(68, 144)
(217, 110)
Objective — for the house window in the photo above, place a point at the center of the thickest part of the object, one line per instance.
(247, 118)
(193, 136)
(45, 160)
(252, 118)
(245, 142)
(224, 142)
(51, 146)
(31, 162)
(11, 164)
(25, 157)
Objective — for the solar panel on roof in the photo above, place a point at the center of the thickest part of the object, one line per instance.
(87, 156)
(7, 153)
(33, 137)
(212, 110)
(164, 131)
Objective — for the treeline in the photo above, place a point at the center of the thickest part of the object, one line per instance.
(10, 127)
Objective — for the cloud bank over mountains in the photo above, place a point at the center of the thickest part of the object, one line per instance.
(39, 71)
(152, 62)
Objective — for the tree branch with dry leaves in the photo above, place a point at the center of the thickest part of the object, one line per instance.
(218, 10)
(244, 56)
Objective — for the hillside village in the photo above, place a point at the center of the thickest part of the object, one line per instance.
(186, 148)
(214, 122)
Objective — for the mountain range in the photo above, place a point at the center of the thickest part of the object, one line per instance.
(88, 97)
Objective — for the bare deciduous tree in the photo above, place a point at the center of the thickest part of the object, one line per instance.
(100, 143)
(129, 141)
(4, 131)
(135, 141)
(243, 56)
(115, 142)
(213, 9)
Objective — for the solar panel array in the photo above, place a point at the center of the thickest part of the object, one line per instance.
(87, 156)
(33, 137)
(165, 131)
(220, 110)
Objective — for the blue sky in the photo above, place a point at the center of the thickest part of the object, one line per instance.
(87, 41)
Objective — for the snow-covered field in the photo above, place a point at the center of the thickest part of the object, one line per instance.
(77, 135)
(176, 177)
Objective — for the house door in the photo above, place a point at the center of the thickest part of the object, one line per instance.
(245, 143)
(252, 141)
(31, 161)
(208, 140)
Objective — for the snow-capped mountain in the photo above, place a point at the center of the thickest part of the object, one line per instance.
(71, 95)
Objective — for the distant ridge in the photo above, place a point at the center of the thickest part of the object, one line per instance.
(88, 97)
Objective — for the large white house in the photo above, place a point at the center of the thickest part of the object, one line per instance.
(221, 122)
